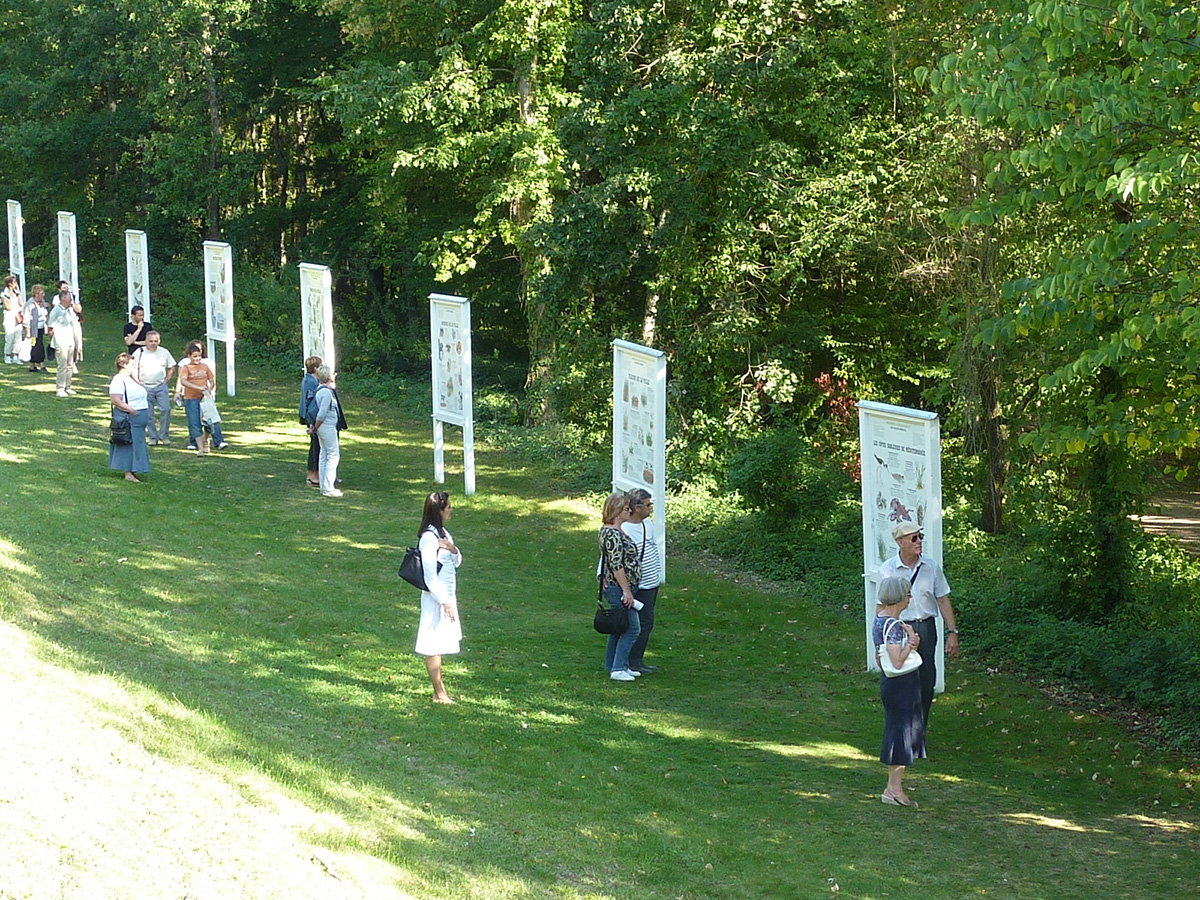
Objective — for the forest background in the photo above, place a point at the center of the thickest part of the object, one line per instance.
(983, 209)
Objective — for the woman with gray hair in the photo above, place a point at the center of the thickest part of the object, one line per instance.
(325, 426)
(903, 718)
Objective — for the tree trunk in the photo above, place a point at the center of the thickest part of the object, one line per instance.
(995, 446)
(539, 377)
(1108, 484)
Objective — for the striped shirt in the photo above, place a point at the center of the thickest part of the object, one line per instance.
(642, 535)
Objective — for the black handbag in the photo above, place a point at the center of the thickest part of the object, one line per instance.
(120, 431)
(412, 571)
(610, 619)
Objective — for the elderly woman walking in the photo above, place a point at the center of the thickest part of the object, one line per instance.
(325, 426)
(903, 718)
(130, 403)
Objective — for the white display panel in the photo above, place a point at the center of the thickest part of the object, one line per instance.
(640, 429)
(218, 305)
(137, 271)
(450, 355)
(68, 253)
(316, 313)
(901, 482)
(16, 245)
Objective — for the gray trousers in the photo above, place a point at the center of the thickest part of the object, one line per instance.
(160, 400)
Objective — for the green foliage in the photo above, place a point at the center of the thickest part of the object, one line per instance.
(783, 475)
(1096, 105)
(1031, 600)
(1099, 100)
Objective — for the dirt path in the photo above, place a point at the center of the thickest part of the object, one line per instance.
(1177, 515)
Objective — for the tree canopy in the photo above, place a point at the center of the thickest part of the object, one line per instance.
(986, 208)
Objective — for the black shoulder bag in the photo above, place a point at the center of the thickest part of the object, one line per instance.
(412, 570)
(609, 619)
(119, 429)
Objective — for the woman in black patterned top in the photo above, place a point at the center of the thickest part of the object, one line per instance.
(619, 574)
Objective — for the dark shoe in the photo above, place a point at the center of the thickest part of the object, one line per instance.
(644, 669)
(337, 481)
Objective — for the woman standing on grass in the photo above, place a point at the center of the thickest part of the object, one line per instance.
(326, 423)
(619, 574)
(13, 325)
(903, 718)
(35, 328)
(439, 632)
(308, 415)
(130, 401)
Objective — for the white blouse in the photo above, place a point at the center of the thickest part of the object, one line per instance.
(133, 392)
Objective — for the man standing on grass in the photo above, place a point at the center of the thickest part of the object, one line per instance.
(153, 366)
(930, 596)
(61, 324)
(640, 528)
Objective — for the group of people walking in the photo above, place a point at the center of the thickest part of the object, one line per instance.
(36, 332)
(141, 398)
(912, 592)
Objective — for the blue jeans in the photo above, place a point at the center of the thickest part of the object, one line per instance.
(191, 409)
(616, 654)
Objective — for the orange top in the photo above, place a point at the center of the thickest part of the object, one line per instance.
(196, 373)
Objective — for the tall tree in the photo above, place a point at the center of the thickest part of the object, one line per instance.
(1100, 102)
(733, 169)
(452, 111)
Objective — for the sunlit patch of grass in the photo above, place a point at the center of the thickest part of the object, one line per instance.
(214, 691)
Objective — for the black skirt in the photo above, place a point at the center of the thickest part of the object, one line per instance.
(903, 719)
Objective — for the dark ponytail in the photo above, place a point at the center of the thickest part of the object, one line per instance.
(435, 503)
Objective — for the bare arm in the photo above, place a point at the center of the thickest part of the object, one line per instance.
(948, 615)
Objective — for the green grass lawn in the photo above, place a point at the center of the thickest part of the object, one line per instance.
(208, 690)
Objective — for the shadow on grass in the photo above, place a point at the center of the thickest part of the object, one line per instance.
(271, 631)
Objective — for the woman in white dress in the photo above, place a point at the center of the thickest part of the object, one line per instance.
(439, 632)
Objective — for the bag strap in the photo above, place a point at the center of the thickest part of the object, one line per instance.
(916, 572)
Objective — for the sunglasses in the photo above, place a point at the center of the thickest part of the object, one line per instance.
(916, 539)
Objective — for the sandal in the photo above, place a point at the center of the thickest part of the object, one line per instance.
(312, 483)
(892, 800)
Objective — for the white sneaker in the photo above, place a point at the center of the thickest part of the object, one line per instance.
(71, 392)
(61, 394)
(634, 672)
(334, 493)
(622, 675)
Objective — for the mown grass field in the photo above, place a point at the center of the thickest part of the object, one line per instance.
(208, 690)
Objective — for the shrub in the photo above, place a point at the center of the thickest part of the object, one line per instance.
(781, 473)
